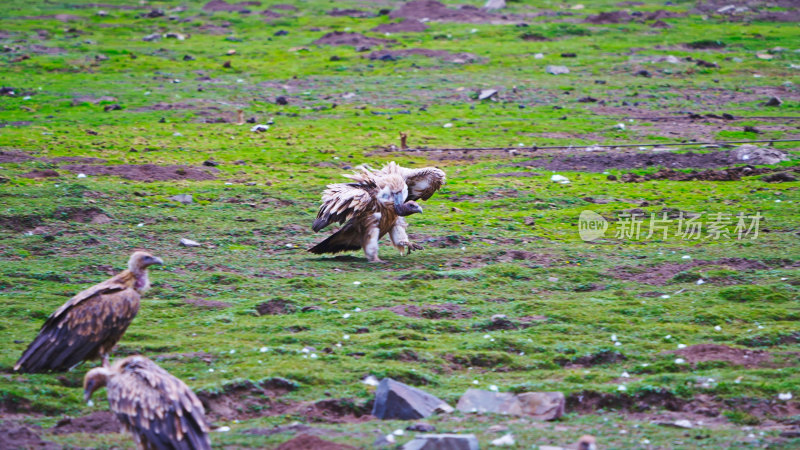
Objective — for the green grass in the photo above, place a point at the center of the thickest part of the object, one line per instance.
(254, 218)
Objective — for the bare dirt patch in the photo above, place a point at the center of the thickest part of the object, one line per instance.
(337, 38)
(209, 304)
(21, 222)
(393, 55)
(14, 435)
(594, 359)
(357, 13)
(337, 410)
(714, 352)
(305, 441)
(145, 172)
(96, 422)
(223, 6)
(405, 26)
(600, 162)
(522, 255)
(46, 173)
(729, 174)
(662, 274)
(276, 306)
(435, 312)
(12, 156)
(436, 11)
(82, 215)
(609, 17)
(247, 400)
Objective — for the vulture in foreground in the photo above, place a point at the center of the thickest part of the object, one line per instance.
(159, 410)
(374, 204)
(91, 323)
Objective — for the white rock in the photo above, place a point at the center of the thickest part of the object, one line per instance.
(81, 175)
(718, 328)
(785, 396)
(700, 281)
(356, 283)
(189, 243)
(683, 423)
(680, 361)
(622, 387)
(222, 429)
(559, 179)
(625, 375)
(370, 380)
(665, 296)
(504, 441)
(686, 257)
(263, 350)
(614, 337)
(617, 344)
(538, 56)
(487, 93)
(681, 345)
(260, 128)
(620, 126)
(448, 125)
(398, 432)
(346, 316)
(495, 388)
(556, 70)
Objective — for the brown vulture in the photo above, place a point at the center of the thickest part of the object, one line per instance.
(91, 323)
(372, 205)
(159, 410)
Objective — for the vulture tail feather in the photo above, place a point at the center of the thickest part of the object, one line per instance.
(343, 240)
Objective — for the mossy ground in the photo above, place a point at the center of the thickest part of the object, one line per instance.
(254, 219)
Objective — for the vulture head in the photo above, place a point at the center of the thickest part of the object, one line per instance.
(587, 442)
(94, 380)
(142, 260)
(394, 191)
(408, 208)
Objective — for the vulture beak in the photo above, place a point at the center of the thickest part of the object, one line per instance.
(155, 261)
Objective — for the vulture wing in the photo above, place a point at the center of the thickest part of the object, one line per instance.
(94, 319)
(343, 201)
(347, 238)
(158, 408)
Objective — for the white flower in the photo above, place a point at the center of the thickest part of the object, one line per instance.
(486, 336)
(314, 356)
(669, 336)
(357, 309)
(305, 350)
(680, 361)
(370, 381)
(785, 396)
(620, 126)
(681, 345)
(493, 388)
(718, 328)
(223, 429)
(475, 382)
(622, 387)
(346, 316)
(210, 370)
(140, 225)
(625, 375)
(617, 344)
(356, 283)
(686, 257)
(398, 432)
(448, 125)
(232, 351)
(560, 179)
(614, 337)
(346, 337)
(665, 296)
(263, 349)
(81, 175)
(701, 281)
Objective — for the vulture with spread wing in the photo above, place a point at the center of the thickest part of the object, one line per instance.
(158, 409)
(90, 324)
(373, 204)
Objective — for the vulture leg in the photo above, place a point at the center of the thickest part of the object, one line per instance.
(372, 233)
(400, 239)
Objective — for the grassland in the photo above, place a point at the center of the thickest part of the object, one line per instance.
(494, 245)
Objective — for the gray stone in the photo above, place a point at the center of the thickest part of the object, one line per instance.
(494, 5)
(774, 101)
(186, 199)
(539, 405)
(556, 70)
(152, 37)
(443, 442)
(395, 400)
(753, 154)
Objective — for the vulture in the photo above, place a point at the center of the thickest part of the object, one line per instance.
(90, 323)
(373, 204)
(159, 410)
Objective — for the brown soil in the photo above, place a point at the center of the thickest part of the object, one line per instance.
(600, 162)
(247, 400)
(609, 17)
(336, 12)
(729, 174)
(275, 306)
(440, 54)
(305, 442)
(661, 14)
(210, 304)
(20, 223)
(594, 359)
(46, 173)
(436, 11)
(82, 215)
(163, 106)
(96, 422)
(715, 352)
(340, 410)
(353, 39)
(444, 311)
(522, 255)
(11, 156)
(223, 6)
(16, 436)
(145, 172)
(74, 159)
(665, 273)
(59, 17)
(404, 26)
